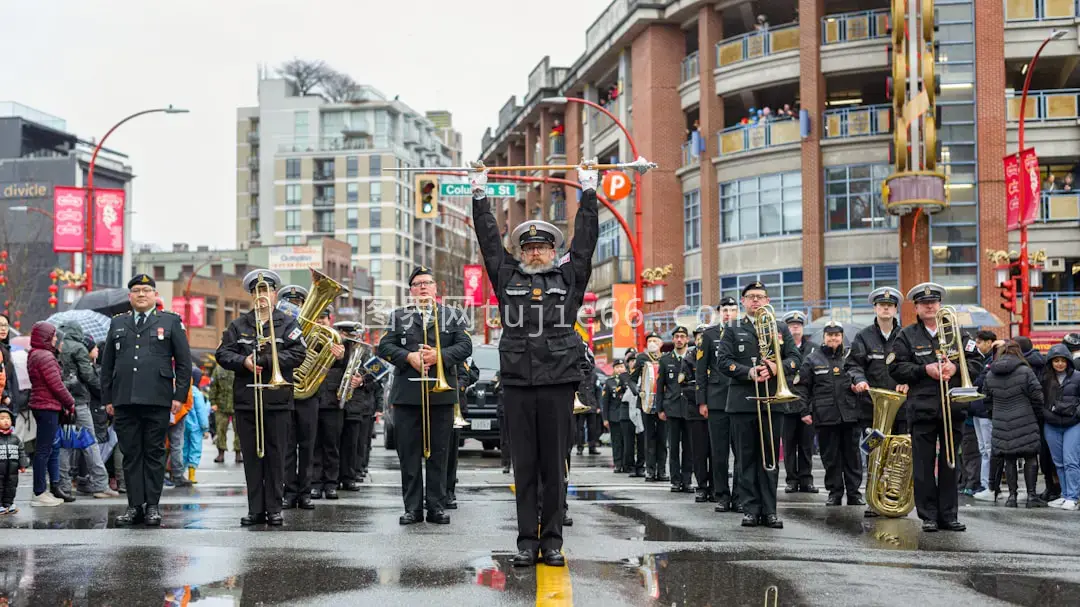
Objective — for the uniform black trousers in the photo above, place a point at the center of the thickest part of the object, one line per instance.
(589, 429)
(265, 476)
(422, 478)
(326, 464)
(615, 430)
(841, 456)
(352, 434)
(970, 469)
(680, 463)
(798, 451)
(935, 498)
(722, 444)
(301, 449)
(656, 449)
(701, 451)
(504, 440)
(757, 486)
(633, 447)
(140, 435)
(539, 420)
(451, 463)
(366, 438)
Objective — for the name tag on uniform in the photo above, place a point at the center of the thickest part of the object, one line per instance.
(876, 356)
(161, 333)
(117, 346)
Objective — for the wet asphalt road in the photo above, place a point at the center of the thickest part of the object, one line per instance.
(632, 543)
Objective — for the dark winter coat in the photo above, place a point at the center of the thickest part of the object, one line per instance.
(1061, 406)
(824, 389)
(80, 377)
(12, 390)
(1014, 393)
(48, 392)
(239, 340)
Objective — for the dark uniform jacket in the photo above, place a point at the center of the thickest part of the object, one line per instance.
(327, 393)
(712, 382)
(407, 334)
(669, 396)
(824, 388)
(467, 376)
(638, 373)
(238, 341)
(913, 349)
(613, 408)
(739, 350)
(539, 345)
(587, 391)
(367, 399)
(689, 383)
(137, 365)
(806, 348)
(866, 363)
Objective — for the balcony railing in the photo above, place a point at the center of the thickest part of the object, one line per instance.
(1054, 309)
(253, 163)
(858, 121)
(1039, 10)
(557, 211)
(600, 122)
(557, 145)
(850, 27)
(687, 156)
(1045, 106)
(690, 68)
(320, 201)
(744, 138)
(322, 175)
(1059, 205)
(253, 187)
(752, 45)
(333, 144)
(253, 137)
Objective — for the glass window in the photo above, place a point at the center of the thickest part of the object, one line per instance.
(785, 288)
(851, 285)
(607, 245)
(352, 192)
(352, 166)
(294, 240)
(292, 220)
(376, 243)
(853, 197)
(300, 129)
(293, 194)
(375, 268)
(376, 191)
(292, 168)
(760, 207)
(692, 221)
(324, 222)
(352, 219)
(693, 293)
(354, 242)
(375, 217)
(375, 165)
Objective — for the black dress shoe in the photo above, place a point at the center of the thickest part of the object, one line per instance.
(567, 521)
(594, 451)
(663, 478)
(275, 519)
(253, 519)
(723, 506)
(737, 507)
(617, 470)
(676, 488)
(808, 489)
(869, 513)
(553, 558)
(772, 521)
(834, 500)
(524, 558)
(288, 502)
(650, 478)
(411, 518)
(749, 520)
(438, 517)
(451, 503)
(700, 497)
(855, 500)
(331, 493)
(304, 502)
(792, 488)
(316, 494)
(153, 516)
(132, 516)
(506, 469)
(687, 489)
(637, 474)
(929, 526)
(952, 526)
(581, 451)
(350, 486)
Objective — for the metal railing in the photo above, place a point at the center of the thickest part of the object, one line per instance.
(322, 202)
(1059, 205)
(557, 145)
(1055, 309)
(557, 211)
(746, 137)
(1040, 10)
(690, 68)
(1044, 106)
(253, 187)
(854, 26)
(858, 121)
(752, 45)
(687, 156)
(600, 122)
(253, 137)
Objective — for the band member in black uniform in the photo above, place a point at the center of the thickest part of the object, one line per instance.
(827, 402)
(740, 359)
(633, 441)
(467, 375)
(645, 375)
(265, 475)
(865, 363)
(585, 393)
(409, 345)
(588, 425)
(142, 401)
(798, 436)
(504, 430)
(293, 294)
(326, 462)
(539, 297)
(300, 453)
(367, 396)
(615, 411)
(696, 425)
(917, 361)
(711, 401)
(671, 407)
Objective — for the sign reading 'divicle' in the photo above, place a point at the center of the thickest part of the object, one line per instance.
(494, 190)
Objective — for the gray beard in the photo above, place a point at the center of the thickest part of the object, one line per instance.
(536, 269)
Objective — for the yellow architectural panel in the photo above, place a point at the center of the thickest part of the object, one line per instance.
(1063, 207)
(786, 131)
(832, 125)
(732, 142)
(731, 53)
(1030, 110)
(832, 31)
(1068, 310)
(755, 46)
(1059, 9)
(1019, 9)
(1040, 310)
(883, 122)
(755, 136)
(1060, 106)
(858, 28)
(784, 39)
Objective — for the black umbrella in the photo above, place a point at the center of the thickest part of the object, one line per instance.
(109, 302)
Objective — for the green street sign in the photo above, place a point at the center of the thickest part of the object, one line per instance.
(494, 190)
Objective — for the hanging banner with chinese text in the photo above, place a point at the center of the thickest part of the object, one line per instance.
(108, 221)
(1022, 188)
(196, 317)
(69, 206)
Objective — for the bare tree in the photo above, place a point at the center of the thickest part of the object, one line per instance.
(29, 261)
(306, 75)
(338, 87)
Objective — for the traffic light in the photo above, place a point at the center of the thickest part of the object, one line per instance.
(426, 190)
(1008, 295)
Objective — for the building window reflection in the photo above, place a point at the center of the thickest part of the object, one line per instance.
(853, 197)
(785, 287)
(761, 207)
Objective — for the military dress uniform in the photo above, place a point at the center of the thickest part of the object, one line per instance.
(798, 438)
(467, 375)
(915, 348)
(713, 433)
(359, 413)
(633, 442)
(145, 367)
(671, 402)
(739, 354)
(410, 327)
(300, 450)
(696, 424)
(614, 412)
(655, 435)
(866, 359)
(326, 463)
(539, 355)
(587, 425)
(265, 476)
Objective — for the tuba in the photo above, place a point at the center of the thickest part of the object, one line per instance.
(770, 348)
(889, 488)
(311, 373)
(264, 314)
(949, 341)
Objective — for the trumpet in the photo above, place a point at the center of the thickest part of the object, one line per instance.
(769, 346)
(439, 381)
(264, 313)
(949, 339)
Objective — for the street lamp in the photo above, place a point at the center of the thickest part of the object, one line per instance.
(187, 288)
(88, 250)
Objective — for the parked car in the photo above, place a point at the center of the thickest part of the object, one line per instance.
(482, 399)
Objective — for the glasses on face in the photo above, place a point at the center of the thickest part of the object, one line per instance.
(142, 291)
(534, 249)
(756, 297)
(423, 283)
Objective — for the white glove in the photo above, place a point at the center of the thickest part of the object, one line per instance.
(588, 178)
(478, 181)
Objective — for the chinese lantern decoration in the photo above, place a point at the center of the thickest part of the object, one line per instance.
(54, 275)
(3, 268)
(18, 323)
(7, 306)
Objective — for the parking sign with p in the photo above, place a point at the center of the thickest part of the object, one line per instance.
(616, 185)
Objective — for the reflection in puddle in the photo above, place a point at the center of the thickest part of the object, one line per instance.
(652, 528)
(593, 495)
(879, 532)
(702, 578)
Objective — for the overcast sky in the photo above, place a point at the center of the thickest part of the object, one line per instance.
(92, 63)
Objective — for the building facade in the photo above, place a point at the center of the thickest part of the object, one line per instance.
(309, 168)
(748, 191)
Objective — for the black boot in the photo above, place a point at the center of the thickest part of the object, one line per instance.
(59, 492)
(133, 516)
(220, 459)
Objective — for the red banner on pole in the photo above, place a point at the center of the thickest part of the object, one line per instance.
(1022, 188)
(1013, 192)
(108, 221)
(1030, 164)
(197, 317)
(69, 207)
(474, 285)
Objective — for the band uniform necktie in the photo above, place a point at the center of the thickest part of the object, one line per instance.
(140, 320)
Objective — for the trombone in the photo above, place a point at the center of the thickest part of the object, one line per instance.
(440, 383)
(640, 165)
(264, 311)
(949, 339)
(769, 346)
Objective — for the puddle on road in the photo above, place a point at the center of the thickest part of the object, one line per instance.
(594, 495)
(1026, 589)
(652, 529)
(879, 532)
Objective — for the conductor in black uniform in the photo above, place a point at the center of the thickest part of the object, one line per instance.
(539, 297)
(740, 359)
(917, 360)
(145, 376)
(798, 436)
(409, 345)
(671, 406)
(252, 363)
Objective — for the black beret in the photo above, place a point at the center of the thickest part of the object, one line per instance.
(728, 301)
(680, 329)
(142, 279)
(754, 285)
(421, 270)
(653, 334)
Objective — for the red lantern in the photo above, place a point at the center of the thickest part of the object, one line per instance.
(52, 301)
(3, 280)
(53, 289)
(18, 312)
(18, 324)
(3, 254)
(53, 275)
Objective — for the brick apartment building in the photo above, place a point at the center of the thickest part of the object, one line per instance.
(736, 202)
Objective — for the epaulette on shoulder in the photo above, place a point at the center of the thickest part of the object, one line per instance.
(128, 313)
